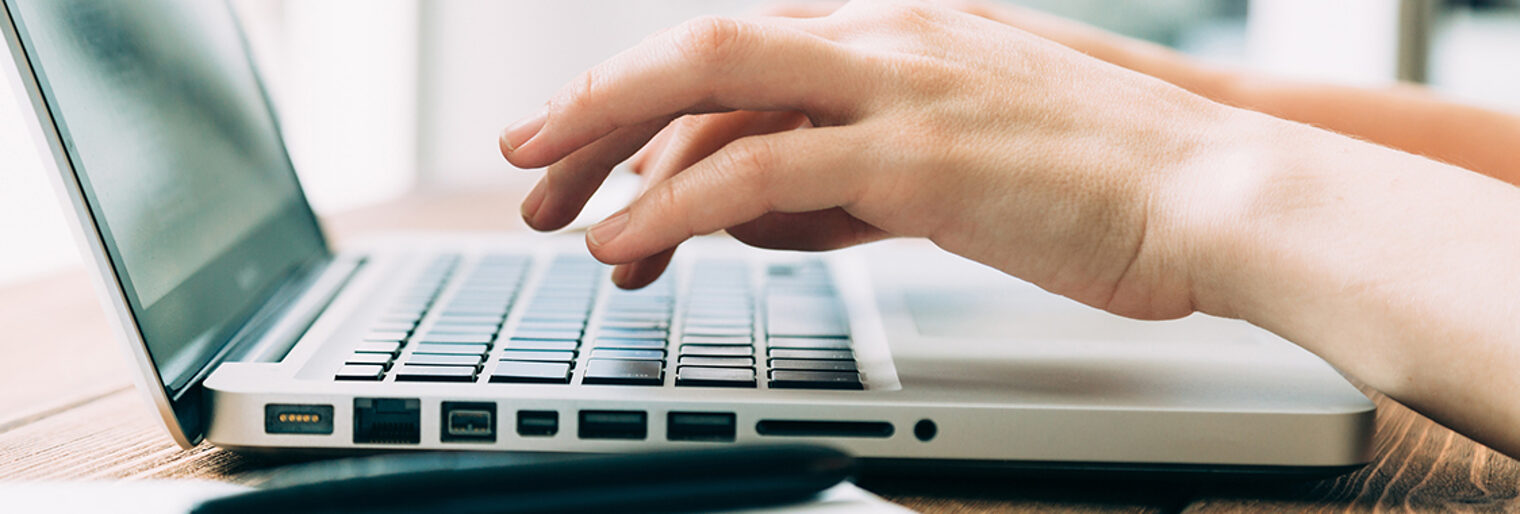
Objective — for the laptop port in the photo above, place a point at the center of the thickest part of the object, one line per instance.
(298, 419)
(468, 422)
(804, 428)
(540, 423)
(387, 420)
(614, 424)
(700, 426)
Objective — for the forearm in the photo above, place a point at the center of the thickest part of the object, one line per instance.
(1398, 270)
(1405, 117)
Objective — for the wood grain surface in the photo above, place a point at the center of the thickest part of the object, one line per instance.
(68, 411)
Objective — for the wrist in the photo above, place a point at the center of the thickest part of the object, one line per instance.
(1220, 213)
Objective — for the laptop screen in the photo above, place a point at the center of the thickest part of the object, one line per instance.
(179, 160)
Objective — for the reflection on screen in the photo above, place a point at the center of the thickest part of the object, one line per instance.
(179, 157)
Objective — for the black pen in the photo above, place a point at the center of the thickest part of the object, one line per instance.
(462, 483)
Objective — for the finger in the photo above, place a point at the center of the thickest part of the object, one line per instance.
(642, 272)
(794, 171)
(646, 156)
(710, 64)
(688, 141)
(568, 184)
(810, 231)
(693, 138)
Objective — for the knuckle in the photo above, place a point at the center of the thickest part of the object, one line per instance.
(710, 40)
(931, 78)
(753, 159)
(752, 156)
(912, 14)
(670, 204)
(580, 93)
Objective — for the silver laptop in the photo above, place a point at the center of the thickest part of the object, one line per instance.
(249, 332)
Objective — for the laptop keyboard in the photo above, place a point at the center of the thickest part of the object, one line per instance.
(631, 338)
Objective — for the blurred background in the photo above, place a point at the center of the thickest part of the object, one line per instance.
(382, 98)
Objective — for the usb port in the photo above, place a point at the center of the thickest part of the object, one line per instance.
(700, 426)
(541, 423)
(614, 424)
(468, 422)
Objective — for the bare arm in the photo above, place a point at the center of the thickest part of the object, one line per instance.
(1397, 269)
(1406, 117)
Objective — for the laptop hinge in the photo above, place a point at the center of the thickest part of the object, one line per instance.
(269, 336)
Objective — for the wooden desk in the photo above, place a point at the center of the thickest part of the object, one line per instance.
(68, 411)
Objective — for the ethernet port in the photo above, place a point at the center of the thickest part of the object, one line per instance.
(468, 422)
(387, 420)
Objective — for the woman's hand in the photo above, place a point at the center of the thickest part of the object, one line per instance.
(919, 121)
(1093, 181)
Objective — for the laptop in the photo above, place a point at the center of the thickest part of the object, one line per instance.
(248, 331)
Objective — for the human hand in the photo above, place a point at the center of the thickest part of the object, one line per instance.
(924, 122)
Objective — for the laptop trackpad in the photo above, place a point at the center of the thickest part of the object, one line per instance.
(1022, 312)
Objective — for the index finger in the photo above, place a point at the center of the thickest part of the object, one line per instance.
(709, 64)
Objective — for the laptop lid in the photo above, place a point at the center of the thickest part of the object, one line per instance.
(169, 152)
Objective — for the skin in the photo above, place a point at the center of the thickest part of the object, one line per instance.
(1129, 192)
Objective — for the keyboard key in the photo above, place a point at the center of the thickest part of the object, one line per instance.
(531, 372)
(552, 325)
(809, 343)
(646, 317)
(713, 330)
(475, 310)
(834, 355)
(470, 320)
(440, 359)
(539, 316)
(715, 377)
(540, 344)
(410, 373)
(390, 347)
(393, 326)
(812, 365)
(432, 337)
(716, 351)
(643, 344)
(552, 335)
(721, 362)
(743, 319)
(652, 355)
(361, 372)
(636, 325)
(806, 316)
(386, 336)
(451, 348)
(718, 341)
(383, 359)
(786, 379)
(401, 317)
(462, 328)
(624, 372)
(538, 355)
(633, 334)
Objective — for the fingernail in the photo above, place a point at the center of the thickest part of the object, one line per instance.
(533, 202)
(519, 133)
(604, 232)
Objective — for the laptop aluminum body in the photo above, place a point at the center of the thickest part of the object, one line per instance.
(240, 320)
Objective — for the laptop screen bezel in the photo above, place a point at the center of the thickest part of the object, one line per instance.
(180, 408)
